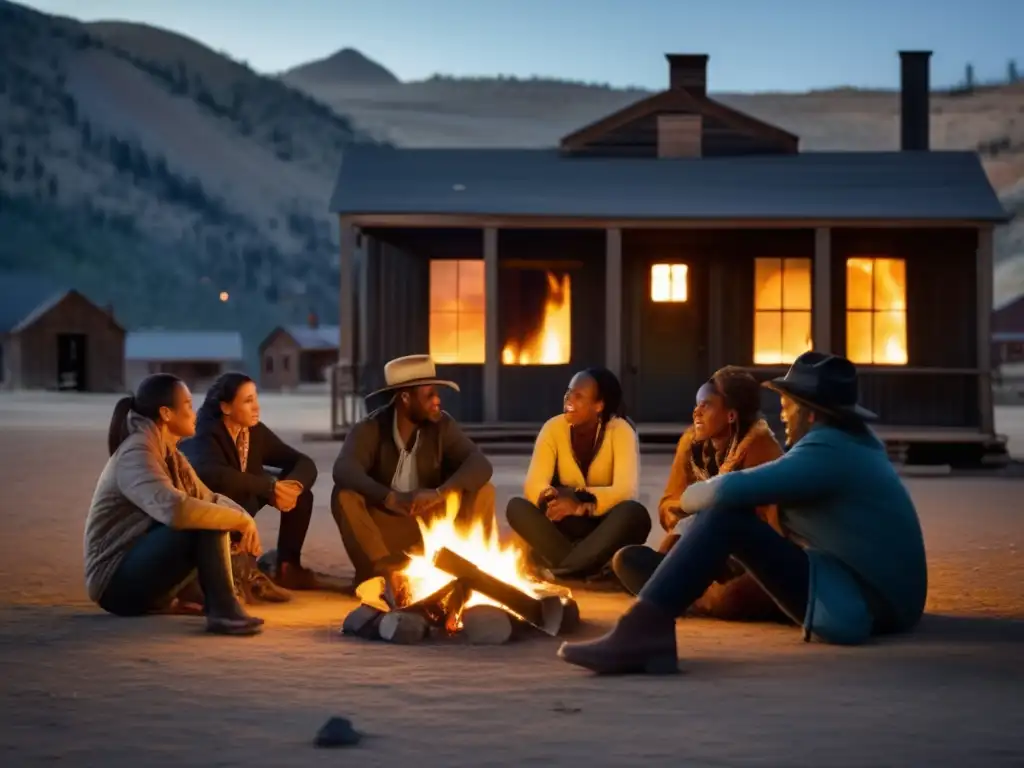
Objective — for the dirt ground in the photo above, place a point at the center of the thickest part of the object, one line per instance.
(83, 688)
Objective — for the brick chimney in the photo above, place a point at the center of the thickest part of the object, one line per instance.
(915, 122)
(312, 320)
(688, 71)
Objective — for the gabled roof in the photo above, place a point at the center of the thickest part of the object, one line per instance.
(309, 339)
(927, 186)
(25, 297)
(183, 346)
(675, 100)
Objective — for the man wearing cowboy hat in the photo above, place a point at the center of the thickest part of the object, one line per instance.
(851, 563)
(399, 464)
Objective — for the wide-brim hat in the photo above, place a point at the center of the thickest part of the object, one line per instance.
(411, 371)
(825, 382)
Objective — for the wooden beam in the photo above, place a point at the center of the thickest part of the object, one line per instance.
(492, 339)
(613, 301)
(346, 298)
(716, 315)
(984, 343)
(516, 221)
(821, 292)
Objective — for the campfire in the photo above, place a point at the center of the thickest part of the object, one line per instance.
(548, 341)
(464, 583)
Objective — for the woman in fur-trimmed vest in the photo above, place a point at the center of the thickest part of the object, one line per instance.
(728, 434)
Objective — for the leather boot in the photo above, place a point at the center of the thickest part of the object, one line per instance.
(642, 641)
(224, 614)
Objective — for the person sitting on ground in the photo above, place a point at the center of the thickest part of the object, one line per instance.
(153, 523)
(230, 451)
(728, 434)
(852, 563)
(399, 464)
(580, 492)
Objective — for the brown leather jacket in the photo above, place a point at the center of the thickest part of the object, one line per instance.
(757, 447)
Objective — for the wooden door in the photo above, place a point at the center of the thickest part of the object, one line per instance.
(71, 362)
(668, 344)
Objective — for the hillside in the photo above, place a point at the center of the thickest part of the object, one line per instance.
(155, 173)
(348, 66)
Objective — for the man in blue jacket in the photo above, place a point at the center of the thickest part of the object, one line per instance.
(852, 563)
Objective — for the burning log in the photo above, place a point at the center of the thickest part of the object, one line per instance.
(551, 613)
(487, 625)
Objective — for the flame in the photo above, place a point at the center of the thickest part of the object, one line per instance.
(548, 343)
(884, 296)
(483, 549)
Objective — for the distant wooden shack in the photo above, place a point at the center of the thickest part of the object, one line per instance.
(664, 241)
(55, 338)
(198, 357)
(296, 355)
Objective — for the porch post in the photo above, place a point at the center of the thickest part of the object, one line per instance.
(613, 301)
(492, 341)
(346, 303)
(984, 345)
(821, 294)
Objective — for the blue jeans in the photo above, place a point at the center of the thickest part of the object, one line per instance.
(161, 562)
(779, 565)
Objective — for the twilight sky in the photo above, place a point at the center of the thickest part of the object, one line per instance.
(755, 45)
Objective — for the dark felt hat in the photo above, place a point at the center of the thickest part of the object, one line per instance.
(825, 382)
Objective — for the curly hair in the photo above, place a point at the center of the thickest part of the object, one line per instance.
(741, 392)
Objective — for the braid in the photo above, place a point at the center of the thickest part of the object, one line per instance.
(741, 392)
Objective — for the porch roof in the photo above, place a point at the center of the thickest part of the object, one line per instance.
(926, 186)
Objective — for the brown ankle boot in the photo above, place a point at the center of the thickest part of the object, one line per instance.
(642, 641)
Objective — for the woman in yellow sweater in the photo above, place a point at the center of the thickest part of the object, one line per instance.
(580, 492)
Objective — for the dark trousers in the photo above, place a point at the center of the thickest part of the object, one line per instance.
(291, 534)
(779, 565)
(374, 536)
(161, 562)
(579, 545)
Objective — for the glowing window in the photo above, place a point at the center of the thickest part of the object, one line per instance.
(876, 310)
(669, 282)
(457, 310)
(782, 310)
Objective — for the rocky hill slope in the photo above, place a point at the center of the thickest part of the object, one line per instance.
(155, 173)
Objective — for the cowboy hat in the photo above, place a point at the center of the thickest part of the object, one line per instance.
(825, 382)
(410, 371)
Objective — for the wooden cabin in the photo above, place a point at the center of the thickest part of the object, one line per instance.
(666, 240)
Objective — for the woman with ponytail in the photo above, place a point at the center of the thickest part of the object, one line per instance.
(580, 501)
(728, 434)
(153, 525)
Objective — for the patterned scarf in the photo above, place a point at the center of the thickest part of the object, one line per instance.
(182, 478)
(242, 445)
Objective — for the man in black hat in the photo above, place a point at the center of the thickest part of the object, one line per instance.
(851, 562)
(399, 464)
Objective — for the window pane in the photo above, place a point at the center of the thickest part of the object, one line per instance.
(796, 335)
(444, 285)
(471, 337)
(680, 276)
(768, 284)
(890, 338)
(858, 283)
(858, 337)
(890, 284)
(471, 285)
(768, 338)
(796, 284)
(444, 337)
(661, 282)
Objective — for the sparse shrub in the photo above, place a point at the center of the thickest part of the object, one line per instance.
(1011, 71)
(52, 187)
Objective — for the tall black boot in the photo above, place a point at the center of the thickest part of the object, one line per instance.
(224, 614)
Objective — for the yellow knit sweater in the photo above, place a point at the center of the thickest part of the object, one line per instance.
(613, 475)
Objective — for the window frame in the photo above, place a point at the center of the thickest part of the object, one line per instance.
(782, 311)
(457, 313)
(671, 282)
(874, 312)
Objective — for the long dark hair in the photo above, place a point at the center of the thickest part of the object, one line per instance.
(153, 393)
(742, 393)
(223, 390)
(609, 391)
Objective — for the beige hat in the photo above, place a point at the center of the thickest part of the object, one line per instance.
(411, 371)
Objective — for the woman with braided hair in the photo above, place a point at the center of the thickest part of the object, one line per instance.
(728, 434)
